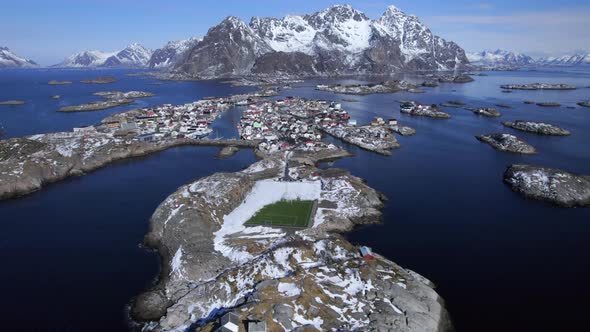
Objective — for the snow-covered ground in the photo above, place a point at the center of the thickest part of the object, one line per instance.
(263, 193)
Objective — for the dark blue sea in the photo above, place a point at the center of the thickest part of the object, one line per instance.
(70, 253)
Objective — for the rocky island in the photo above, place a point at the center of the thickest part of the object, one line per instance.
(584, 103)
(417, 109)
(548, 104)
(373, 138)
(216, 268)
(549, 184)
(12, 102)
(508, 143)
(485, 111)
(366, 89)
(538, 86)
(56, 82)
(100, 80)
(540, 128)
(112, 99)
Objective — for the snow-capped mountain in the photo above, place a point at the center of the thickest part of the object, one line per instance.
(10, 60)
(336, 41)
(86, 59)
(171, 52)
(577, 59)
(133, 55)
(499, 58)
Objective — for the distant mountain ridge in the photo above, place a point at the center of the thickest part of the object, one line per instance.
(339, 40)
(134, 55)
(499, 58)
(8, 59)
(576, 59)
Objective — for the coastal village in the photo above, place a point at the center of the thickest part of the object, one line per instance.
(279, 125)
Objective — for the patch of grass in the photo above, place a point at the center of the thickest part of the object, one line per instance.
(283, 214)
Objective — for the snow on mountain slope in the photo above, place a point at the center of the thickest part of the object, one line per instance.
(86, 59)
(498, 58)
(10, 60)
(337, 40)
(171, 52)
(577, 59)
(133, 55)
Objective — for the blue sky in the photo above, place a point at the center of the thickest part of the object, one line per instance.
(48, 31)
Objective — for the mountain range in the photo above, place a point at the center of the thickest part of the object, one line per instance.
(336, 41)
(10, 60)
(134, 55)
(503, 58)
(500, 58)
(339, 40)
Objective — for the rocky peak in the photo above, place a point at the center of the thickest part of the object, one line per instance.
(335, 15)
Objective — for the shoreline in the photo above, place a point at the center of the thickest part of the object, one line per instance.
(190, 263)
(39, 178)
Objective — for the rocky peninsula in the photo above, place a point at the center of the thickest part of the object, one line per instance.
(508, 143)
(112, 99)
(549, 184)
(538, 86)
(28, 163)
(308, 279)
(540, 128)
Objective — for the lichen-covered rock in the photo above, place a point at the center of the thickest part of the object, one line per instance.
(508, 143)
(540, 128)
(549, 184)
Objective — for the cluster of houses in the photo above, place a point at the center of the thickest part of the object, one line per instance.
(188, 121)
(284, 124)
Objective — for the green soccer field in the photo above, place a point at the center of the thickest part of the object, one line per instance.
(283, 214)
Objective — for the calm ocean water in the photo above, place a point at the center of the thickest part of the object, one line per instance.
(70, 253)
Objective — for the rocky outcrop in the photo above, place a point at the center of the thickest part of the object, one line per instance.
(508, 143)
(540, 128)
(308, 279)
(337, 41)
(485, 111)
(403, 130)
(549, 184)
